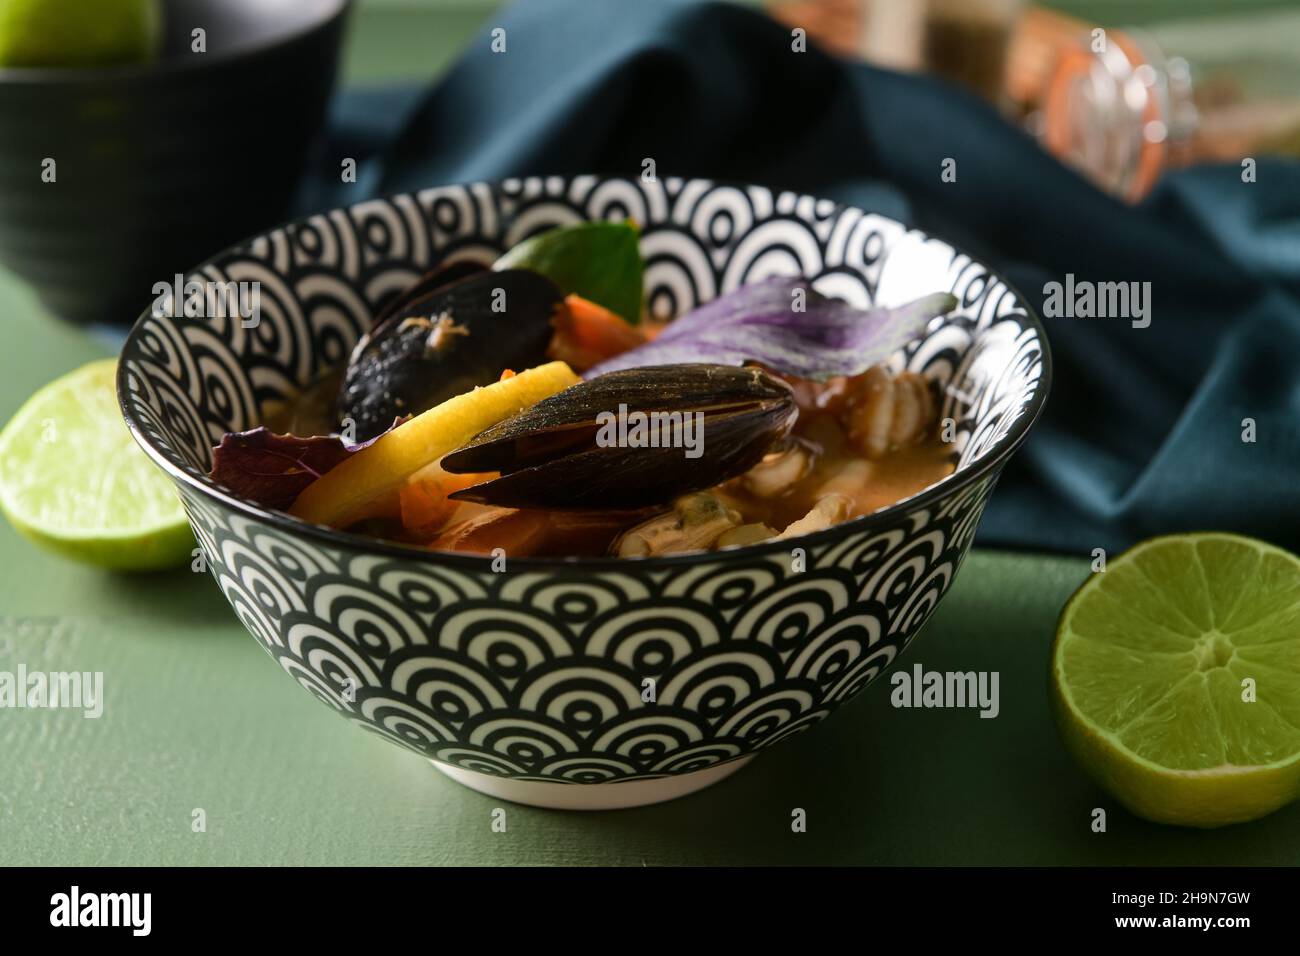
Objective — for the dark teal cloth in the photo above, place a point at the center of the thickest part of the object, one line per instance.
(1143, 432)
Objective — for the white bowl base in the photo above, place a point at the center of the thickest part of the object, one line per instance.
(592, 796)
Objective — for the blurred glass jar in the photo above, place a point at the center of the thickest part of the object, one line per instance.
(1108, 102)
(1121, 107)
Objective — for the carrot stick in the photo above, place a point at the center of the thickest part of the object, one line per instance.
(587, 334)
(424, 503)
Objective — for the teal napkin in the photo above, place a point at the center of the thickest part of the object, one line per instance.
(1144, 430)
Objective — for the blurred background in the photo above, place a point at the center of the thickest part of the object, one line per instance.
(1122, 91)
(1171, 82)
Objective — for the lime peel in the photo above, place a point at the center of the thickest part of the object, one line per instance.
(1188, 751)
(73, 480)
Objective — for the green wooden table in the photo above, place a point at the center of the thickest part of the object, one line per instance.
(196, 717)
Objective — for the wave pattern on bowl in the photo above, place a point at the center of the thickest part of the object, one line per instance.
(542, 672)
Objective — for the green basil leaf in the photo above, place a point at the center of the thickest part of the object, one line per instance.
(600, 261)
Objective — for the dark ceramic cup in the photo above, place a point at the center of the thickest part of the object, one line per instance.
(158, 165)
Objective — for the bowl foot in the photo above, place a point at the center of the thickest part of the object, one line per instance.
(593, 796)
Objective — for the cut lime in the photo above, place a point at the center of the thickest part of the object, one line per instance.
(78, 33)
(1176, 678)
(72, 479)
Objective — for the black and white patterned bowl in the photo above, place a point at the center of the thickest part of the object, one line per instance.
(535, 683)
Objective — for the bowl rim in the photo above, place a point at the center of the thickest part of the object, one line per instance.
(48, 76)
(990, 464)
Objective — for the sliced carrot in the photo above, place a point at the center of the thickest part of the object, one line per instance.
(507, 373)
(587, 334)
(424, 503)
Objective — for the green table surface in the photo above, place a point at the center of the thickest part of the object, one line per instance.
(196, 716)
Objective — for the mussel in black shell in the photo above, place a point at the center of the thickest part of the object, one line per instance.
(442, 339)
(409, 301)
(630, 439)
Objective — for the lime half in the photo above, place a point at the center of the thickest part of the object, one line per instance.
(1176, 678)
(72, 479)
(78, 33)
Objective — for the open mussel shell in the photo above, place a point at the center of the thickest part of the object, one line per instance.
(443, 341)
(630, 439)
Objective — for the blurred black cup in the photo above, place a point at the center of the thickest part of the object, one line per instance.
(160, 165)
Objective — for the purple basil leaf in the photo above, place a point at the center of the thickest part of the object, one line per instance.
(758, 323)
(272, 470)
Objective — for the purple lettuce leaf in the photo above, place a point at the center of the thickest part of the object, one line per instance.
(759, 323)
(272, 470)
